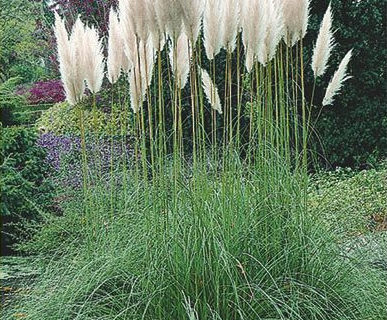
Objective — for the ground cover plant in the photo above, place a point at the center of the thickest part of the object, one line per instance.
(209, 217)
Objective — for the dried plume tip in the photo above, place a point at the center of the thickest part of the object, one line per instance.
(296, 16)
(115, 48)
(69, 56)
(338, 79)
(230, 23)
(94, 60)
(169, 14)
(127, 35)
(212, 19)
(254, 25)
(156, 34)
(324, 45)
(137, 11)
(140, 75)
(192, 12)
(274, 31)
(211, 91)
(181, 68)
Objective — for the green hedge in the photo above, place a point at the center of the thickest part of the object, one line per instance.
(354, 129)
(24, 187)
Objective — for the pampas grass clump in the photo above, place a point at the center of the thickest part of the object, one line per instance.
(212, 222)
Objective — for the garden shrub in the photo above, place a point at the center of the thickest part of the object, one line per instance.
(65, 119)
(12, 104)
(25, 189)
(45, 92)
(22, 46)
(350, 202)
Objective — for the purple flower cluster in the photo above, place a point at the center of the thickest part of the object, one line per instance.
(64, 156)
(50, 91)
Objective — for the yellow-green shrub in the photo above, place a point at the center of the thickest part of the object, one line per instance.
(63, 119)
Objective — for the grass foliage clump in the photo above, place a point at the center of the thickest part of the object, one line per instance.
(239, 245)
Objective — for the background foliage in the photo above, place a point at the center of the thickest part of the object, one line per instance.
(22, 45)
(354, 130)
(24, 188)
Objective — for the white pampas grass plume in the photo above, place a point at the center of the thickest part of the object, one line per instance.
(93, 60)
(212, 20)
(337, 80)
(156, 34)
(324, 45)
(211, 91)
(296, 16)
(192, 17)
(76, 44)
(135, 89)
(136, 12)
(140, 76)
(181, 68)
(249, 62)
(230, 23)
(115, 48)
(127, 34)
(254, 25)
(274, 31)
(169, 14)
(77, 39)
(66, 58)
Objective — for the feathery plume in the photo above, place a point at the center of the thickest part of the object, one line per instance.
(156, 34)
(76, 44)
(136, 92)
(127, 35)
(115, 48)
(254, 25)
(211, 91)
(296, 16)
(230, 24)
(140, 76)
(169, 14)
(249, 62)
(125, 62)
(192, 17)
(324, 45)
(337, 80)
(274, 31)
(212, 32)
(66, 59)
(94, 60)
(136, 12)
(181, 68)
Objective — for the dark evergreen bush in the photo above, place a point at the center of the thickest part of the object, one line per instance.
(354, 130)
(24, 187)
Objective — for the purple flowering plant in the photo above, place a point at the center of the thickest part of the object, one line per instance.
(64, 156)
(45, 92)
